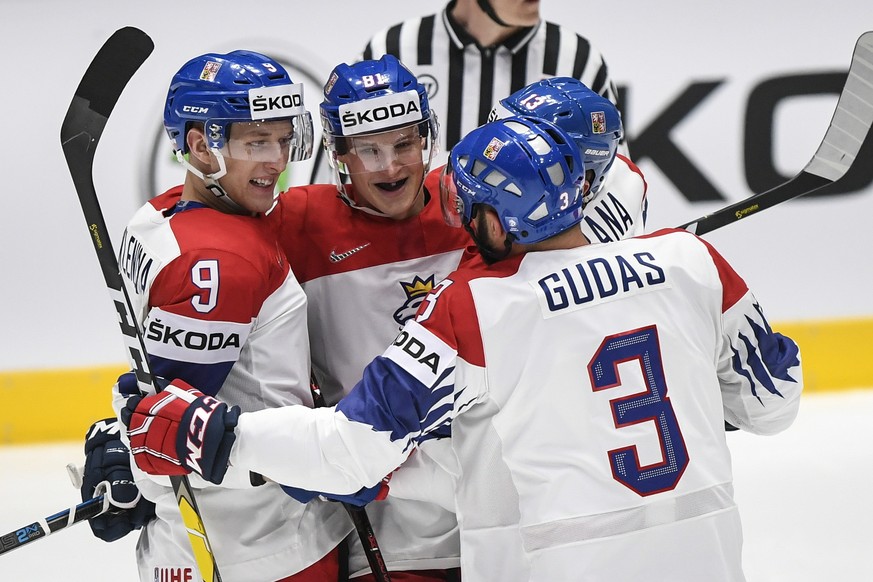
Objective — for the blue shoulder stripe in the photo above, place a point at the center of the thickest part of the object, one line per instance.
(392, 400)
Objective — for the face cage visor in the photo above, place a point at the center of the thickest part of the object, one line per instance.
(384, 150)
(278, 141)
(452, 205)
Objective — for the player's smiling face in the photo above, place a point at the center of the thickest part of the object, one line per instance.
(387, 171)
(256, 154)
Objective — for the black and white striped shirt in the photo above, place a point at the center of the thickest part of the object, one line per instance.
(464, 80)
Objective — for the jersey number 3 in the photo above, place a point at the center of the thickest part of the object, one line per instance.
(641, 345)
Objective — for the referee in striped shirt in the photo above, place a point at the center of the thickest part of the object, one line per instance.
(475, 52)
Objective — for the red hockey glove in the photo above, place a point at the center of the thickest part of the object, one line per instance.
(179, 430)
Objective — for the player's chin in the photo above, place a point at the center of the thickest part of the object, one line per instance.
(260, 198)
(397, 204)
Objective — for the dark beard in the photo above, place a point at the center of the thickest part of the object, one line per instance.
(488, 249)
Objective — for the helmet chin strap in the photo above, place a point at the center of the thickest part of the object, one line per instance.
(344, 195)
(486, 7)
(211, 181)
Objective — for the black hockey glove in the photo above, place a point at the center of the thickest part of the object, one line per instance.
(107, 472)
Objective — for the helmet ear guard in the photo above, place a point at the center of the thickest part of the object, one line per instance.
(527, 169)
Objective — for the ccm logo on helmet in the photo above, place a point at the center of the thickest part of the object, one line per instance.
(194, 109)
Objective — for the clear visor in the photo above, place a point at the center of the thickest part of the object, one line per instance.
(452, 205)
(279, 141)
(386, 150)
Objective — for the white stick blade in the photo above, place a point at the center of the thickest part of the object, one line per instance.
(852, 118)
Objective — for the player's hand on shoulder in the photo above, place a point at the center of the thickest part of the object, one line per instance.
(107, 472)
(180, 430)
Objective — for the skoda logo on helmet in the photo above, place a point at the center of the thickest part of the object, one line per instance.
(163, 171)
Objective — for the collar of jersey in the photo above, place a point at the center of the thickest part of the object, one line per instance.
(183, 205)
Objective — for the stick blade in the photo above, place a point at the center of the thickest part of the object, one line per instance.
(101, 86)
(848, 131)
(852, 118)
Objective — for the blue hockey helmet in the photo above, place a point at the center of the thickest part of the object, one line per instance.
(378, 112)
(240, 86)
(591, 120)
(526, 168)
(373, 96)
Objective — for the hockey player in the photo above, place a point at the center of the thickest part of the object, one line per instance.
(367, 258)
(366, 251)
(374, 252)
(585, 386)
(220, 308)
(616, 203)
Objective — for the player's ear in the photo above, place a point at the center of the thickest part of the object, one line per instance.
(493, 224)
(198, 146)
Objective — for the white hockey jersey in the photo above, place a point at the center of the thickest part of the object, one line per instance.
(618, 210)
(364, 277)
(586, 391)
(221, 309)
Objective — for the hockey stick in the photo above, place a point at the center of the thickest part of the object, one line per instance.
(359, 516)
(364, 529)
(49, 525)
(368, 540)
(98, 92)
(849, 127)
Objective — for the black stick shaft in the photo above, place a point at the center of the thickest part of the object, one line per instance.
(98, 92)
